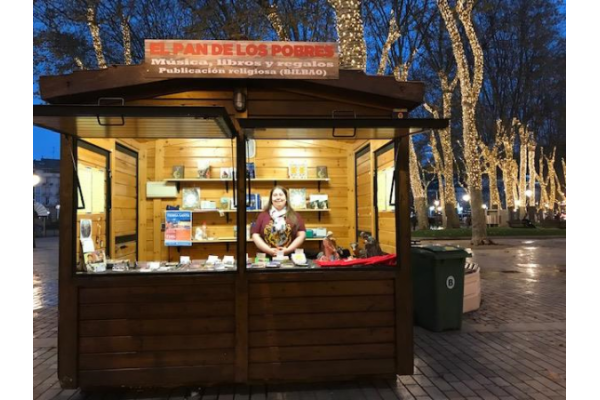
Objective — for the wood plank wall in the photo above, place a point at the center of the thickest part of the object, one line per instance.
(125, 205)
(386, 220)
(365, 178)
(88, 158)
(309, 330)
(121, 194)
(271, 161)
(172, 333)
(364, 192)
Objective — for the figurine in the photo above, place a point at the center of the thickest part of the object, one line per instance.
(355, 250)
(329, 248)
(372, 247)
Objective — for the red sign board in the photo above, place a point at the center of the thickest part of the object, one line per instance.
(241, 59)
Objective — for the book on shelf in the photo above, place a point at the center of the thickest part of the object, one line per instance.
(298, 169)
(203, 169)
(298, 199)
(251, 170)
(178, 172)
(224, 203)
(190, 198)
(322, 172)
(319, 201)
(227, 173)
(253, 202)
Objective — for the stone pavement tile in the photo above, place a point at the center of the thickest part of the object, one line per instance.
(423, 381)
(428, 371)
(434, 392)
(487, 395)
(449, 377)
(539, 396)
(499, 381)
(496, 390)
(548, 383)
(539, 387)
(516, 392)
(441, 384)
(452, 394)
(473, 384)
(525, 388)
(416, 390)
(407, 380)
(48, 394)
(398, 388)
(462, 389)
(482, 379)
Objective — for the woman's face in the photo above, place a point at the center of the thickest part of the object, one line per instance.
(278, 199)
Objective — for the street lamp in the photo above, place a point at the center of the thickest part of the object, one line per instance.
(436, 203)
(466, 198)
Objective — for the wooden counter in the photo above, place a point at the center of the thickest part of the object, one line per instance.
(157, 330)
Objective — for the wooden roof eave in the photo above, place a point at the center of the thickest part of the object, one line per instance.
(130, 83)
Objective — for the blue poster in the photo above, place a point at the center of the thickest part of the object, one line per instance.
(178, 228)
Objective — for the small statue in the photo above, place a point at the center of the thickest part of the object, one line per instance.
(330, 248)
(355, 250)
(372, 248)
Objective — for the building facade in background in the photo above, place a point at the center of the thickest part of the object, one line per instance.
(47, 192)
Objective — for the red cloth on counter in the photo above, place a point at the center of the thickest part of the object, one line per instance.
(388, 259)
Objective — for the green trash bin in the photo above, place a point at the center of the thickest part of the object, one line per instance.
(438, 274)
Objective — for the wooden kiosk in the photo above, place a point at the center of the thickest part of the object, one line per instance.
(177, 328)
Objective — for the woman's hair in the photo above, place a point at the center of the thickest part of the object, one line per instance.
(290, 214)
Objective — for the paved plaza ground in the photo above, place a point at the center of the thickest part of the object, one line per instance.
(513, 347)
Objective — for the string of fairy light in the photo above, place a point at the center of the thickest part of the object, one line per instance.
(95, 32)
(126, 40)
(470, 88)
(276, 22)
(350, 29)
(393, 35)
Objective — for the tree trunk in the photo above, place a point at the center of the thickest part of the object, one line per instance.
(532, 177)
(393, 35)
(470, 87)
(421, 209)
(418, 189)
(447, 156)
(272, 13)
(452, 220)
(478, 217)
(95, 32)
(524, 144)
(350, 29)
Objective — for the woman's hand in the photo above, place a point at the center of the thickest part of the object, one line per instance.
(273, 252)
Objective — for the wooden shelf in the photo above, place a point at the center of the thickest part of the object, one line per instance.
(253, 211)
(248, 241)
(197, 180)
(252, 180)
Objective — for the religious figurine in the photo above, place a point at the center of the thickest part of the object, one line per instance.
(330, 248)
(355, 250)
(372, 247)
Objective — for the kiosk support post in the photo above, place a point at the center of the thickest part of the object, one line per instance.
(241, 285)
(404, 313)
(67, 292)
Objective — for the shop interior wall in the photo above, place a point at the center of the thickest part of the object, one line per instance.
(90, 159)
(123, 219)
(366, 175)
(271, 162)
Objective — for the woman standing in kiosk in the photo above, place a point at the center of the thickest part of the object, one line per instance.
(278, 227)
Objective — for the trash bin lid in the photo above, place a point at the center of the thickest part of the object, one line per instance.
(442, 252)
